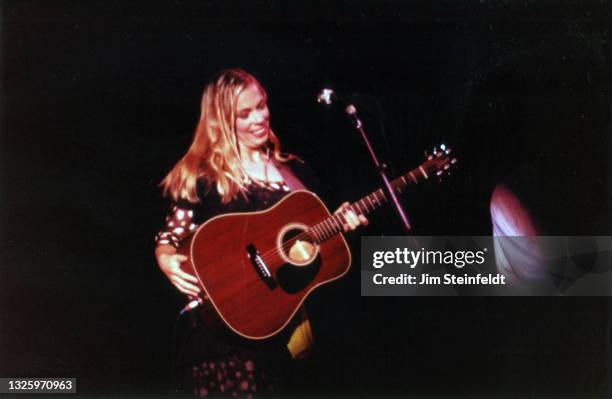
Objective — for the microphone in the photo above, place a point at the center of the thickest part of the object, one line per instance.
(191, 305)
(327, 96)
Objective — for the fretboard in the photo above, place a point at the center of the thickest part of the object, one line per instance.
(335, 223)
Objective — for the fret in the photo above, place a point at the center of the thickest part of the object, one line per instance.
(326, 229)
(315, 233)
(371, 204)
(332, 226)
(313, 230)
(376, 198)
(322, 230)
(423, 172)
(343, 219)
(359, 207)
(335, 222)
(332, 229)
(310, 236)
(339, 222)
(413, 178)
(399, 184)
(363, 206)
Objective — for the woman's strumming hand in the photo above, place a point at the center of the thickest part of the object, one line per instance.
(170, 264)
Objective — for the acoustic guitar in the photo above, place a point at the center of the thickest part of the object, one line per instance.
(257, 268)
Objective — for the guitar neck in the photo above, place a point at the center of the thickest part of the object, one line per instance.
(334, 224)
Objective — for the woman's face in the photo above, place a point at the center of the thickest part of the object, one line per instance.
(252, 117)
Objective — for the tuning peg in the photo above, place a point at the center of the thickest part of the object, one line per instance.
(439, 173)
(447, 167)
(454, 161)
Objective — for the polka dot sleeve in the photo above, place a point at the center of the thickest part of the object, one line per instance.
(179, 224)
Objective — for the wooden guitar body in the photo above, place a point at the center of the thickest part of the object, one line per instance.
(257, 268)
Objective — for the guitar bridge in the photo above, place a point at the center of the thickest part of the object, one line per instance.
(260, 266)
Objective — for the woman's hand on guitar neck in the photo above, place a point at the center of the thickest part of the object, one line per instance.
(170, 263)
(352, 219)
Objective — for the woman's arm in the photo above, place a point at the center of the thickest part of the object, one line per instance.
(179, 224)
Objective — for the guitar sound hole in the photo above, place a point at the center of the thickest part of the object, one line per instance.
(298, 251)
(296, 248)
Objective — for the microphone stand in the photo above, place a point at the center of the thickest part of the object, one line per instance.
(352, 112)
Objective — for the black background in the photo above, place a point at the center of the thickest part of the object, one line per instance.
(100, 99)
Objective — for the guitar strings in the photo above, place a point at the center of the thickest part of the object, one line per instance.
(274, 254)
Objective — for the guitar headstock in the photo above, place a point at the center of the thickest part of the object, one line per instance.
(439, 162)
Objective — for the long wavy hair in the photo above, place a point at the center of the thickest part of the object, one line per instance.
(214, 154)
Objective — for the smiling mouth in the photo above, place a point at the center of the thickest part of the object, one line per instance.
(260, 132)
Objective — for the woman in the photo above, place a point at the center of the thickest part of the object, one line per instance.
(234, 164)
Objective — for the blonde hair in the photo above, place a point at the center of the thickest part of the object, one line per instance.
(214, 154)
